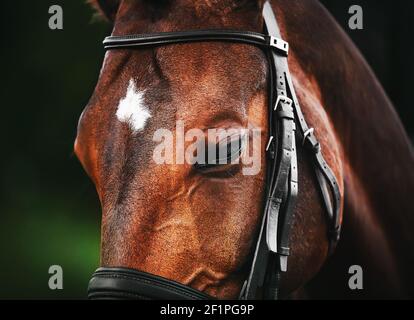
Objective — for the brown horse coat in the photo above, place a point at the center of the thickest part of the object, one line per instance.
(199, 230)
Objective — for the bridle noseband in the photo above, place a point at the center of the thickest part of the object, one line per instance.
(286, 122)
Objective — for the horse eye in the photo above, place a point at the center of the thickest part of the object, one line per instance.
(226, 151)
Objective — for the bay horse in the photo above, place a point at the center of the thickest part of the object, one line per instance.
(198, 228)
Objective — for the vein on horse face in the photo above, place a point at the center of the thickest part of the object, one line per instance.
(205, 277)
(132, 109)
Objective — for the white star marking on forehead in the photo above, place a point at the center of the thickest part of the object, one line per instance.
(132, 109)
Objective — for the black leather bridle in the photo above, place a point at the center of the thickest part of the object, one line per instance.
(286, 125)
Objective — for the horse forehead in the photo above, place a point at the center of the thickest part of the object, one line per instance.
(211, 78)
(195, 82)
(226, 63)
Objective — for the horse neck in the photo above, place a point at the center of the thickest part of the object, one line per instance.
(377, 154)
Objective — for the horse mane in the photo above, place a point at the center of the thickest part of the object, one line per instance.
(106, 9)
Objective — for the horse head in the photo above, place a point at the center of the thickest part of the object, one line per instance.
(196, 225)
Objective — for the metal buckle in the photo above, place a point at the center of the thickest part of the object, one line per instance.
(279, 44)
(284, 99)
(310, 142)
(306, 134)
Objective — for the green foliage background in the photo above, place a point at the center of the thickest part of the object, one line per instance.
(50, 213)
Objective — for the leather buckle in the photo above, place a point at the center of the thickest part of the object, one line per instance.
(283, 98)
(310, 142)
(314, 146)
(306, 134)
(279, 44)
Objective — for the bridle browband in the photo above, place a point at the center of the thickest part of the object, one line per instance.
(286, 124)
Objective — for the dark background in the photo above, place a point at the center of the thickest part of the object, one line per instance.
(49, 209)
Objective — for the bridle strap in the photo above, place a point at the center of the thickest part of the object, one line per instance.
(272, 249)
(166, 38)
(270, 256)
